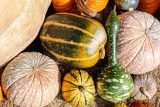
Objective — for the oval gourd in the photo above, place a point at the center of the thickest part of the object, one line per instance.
(145, 87)
(113, 82)
(140, 104)
(120, 104)
(149, 6)
(78, 88)
(127, 4)
(138, 42)
(89, 7)
(20, 23)
(31, 80)
(73, 39)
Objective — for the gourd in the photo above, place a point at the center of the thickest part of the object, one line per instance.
(20, 23)
(31, 79)
(149, 6)
(78, 88)
(1, 96)
(127, 4)
(113, 82)
(138, 42)
(140, 104)
(145, 87)
(89, 7)
(120, 104)
(73, 39)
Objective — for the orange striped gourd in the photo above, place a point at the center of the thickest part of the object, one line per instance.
(73, 39)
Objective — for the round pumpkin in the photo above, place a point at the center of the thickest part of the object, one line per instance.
(149, 6)
(73, 39)
(78, 88)
(138, 42)
(120, 104)
(145, 87)
(31, 80)
(140, 104)
(127, 4)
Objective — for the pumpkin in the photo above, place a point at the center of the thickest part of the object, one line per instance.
(73, 39)
(138, 42)
(145, 87)
(127, 4)
(1, 96)
(20, 23)
(113, 82)
(140, 104)
(89, 7)
(78, 88)
(150, 6)
(120, 104)
(31, 80)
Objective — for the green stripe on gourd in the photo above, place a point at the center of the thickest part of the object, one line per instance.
(113, 83)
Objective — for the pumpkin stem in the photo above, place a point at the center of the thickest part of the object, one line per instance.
(144, 92)
(80, 88)
(82, 7)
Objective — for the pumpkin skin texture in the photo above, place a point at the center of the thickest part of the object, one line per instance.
(73, 39)
(78, 88)
(145, 87)
(20, 23)
(113, 82)
(120, 104)
(138, 42)
(140, 104)
(127, 4)
(31, 80)
(149, 6)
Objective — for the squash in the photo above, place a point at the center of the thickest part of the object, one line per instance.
(149, 6)
(1, 96)
(31, 80)
(78, 88)
(113, 82)
(89, 7)
(140, 104)
(145, 87)
(20, 23)
(120, 104)
(73, 39)
(127, 4)
(138, 42)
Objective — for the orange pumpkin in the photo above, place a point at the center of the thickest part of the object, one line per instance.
(89, 7)
(140, 104)
(149, 6)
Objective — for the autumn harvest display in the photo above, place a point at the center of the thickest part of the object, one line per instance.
(80, 53)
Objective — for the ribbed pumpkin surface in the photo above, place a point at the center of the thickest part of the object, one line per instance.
(78, 88)
(73, 39)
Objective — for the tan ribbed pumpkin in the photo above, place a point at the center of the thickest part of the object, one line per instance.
(145, 87)
(138, 42)
(20, 22)
(31, 80)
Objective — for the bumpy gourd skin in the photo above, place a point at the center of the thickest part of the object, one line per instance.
(113, 83)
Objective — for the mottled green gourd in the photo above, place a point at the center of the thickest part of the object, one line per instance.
(113, 83)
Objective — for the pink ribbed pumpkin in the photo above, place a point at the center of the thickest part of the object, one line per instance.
(31, 80)
(138, 42)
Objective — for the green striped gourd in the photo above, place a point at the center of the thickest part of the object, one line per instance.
(73, 39)
(113, 83)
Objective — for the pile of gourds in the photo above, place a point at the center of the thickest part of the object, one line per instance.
(128, 45)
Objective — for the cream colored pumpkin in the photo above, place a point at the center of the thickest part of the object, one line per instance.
(145, 87)
(138, 42)
(31, 80)
(20, 22)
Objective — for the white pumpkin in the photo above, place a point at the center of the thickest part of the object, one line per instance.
(31, 80)
(20, 22)
(138, 42)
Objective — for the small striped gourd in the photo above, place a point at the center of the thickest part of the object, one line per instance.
(113, 82)
(73, 39)
(78, 88)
